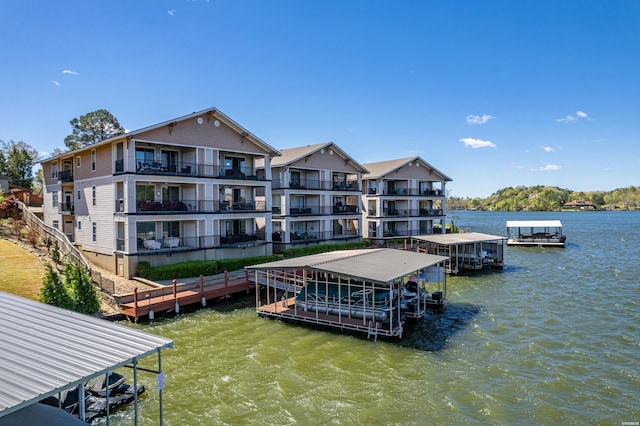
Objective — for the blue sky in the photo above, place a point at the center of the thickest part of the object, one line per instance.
(492, 93)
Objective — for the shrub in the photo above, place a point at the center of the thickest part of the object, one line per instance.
(143, 269)
(182, 270)
(323, 248)
(55, 252)
(32, 236)
(52, 291)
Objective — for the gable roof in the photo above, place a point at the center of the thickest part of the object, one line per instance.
(211, 113)
(383, 168)
(291, 155)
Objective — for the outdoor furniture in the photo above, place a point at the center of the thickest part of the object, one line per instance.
(152, 244)
(172, 242)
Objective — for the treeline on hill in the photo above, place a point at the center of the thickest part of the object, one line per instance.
(548, 198)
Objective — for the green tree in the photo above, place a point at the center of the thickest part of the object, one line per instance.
(17, 160)
(53, 291)
(77, 282)
(92, 128)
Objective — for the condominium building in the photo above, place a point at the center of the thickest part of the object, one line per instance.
(184, 189)
(316, 194)
(403, 197)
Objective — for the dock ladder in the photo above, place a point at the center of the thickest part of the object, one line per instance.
(372, 330)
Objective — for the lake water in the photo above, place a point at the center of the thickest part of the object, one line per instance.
(554, 338)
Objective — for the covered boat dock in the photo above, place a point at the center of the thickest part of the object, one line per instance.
(46, 351)
(535, 233)
(466, 250)
(368, 291)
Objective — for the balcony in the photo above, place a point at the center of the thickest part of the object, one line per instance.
(314, 184)
(405, 192)
(171, 244)
(307, 237)
(65, 208)
(190, 169)
(423, 212)
(65, 176)
(197, 206)
(321, 211)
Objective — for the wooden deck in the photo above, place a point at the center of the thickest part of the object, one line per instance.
(166, 299)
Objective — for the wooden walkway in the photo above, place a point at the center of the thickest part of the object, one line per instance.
(151, 302)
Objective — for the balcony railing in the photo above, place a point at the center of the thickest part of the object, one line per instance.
(320, 211)
(197, 206)
(152, 244)
(65, 208)
(405, 192)
(65, 176)
(408, 212)
(306, 237)
(314, 184)
(185, 168)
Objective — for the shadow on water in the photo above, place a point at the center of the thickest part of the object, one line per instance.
(432, 332)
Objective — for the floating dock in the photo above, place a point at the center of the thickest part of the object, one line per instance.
(370, 291)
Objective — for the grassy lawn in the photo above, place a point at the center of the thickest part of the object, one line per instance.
(21, 272)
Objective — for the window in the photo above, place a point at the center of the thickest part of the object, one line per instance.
(79, 225)
(144, 157)
(54, 198)
(94, 231)
(56, 224)
(79, 194)
(78, 161)
(54, 170)
(93, 195)
(93, 160)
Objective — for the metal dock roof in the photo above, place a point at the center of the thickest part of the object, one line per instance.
(45, 350)
(379, 265)
(459, 238)
(534, 224)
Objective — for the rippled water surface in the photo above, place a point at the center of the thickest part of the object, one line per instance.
(554, 338)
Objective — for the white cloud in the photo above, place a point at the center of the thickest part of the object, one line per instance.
(56, 83)
(171, 12)
(478, 119)
(573, 118)
(547, 148)
(547, 168)
(69, 72)
(477, 143)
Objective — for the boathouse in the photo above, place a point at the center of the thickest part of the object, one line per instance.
(45, 351)
(466, 250)
(368, 291)
(536, 233)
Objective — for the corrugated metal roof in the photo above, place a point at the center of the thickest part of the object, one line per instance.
(459, 238)
(378, 265)
(534, 223)
(45, 349)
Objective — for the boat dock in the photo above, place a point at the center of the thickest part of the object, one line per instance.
(466, 250)
(148, 303)
(535, 233)
(368, 291)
